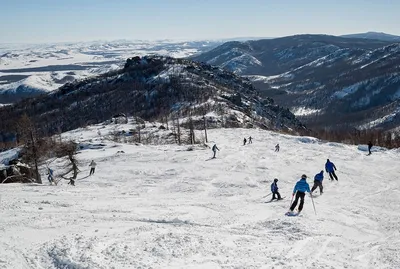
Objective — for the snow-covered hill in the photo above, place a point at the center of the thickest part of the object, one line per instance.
(154, 88)
(150, 206)
(346, 82)
(361, 86)
(269, 57)
(28, 69)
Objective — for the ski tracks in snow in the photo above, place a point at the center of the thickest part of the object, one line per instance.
(165, 207)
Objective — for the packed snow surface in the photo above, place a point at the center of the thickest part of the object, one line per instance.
(167, 207)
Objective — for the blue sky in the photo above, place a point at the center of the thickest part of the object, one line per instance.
(37, 21)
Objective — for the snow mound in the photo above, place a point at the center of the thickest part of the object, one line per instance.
(44, 82)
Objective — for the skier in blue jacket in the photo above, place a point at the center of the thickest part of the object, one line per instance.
(300, 190)
(50, 173)
(318, 182)
(274, 190)
(330, 168)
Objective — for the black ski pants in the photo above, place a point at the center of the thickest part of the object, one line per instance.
(91, 171)
(333, 175)
(276, 193)
(299, 195)
(317, 183)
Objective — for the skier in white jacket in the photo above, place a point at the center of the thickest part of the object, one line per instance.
(92, 167)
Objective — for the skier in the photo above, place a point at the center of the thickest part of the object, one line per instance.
(71, 181)
(274, 190)
(300, 190)
(214, 149)
(92, 167)
(369, 147)
(318, 182)
(330, 168)
(277, 148)
(244, 141)
(250, 140)
(50, 173)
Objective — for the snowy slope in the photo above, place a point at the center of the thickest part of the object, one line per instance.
(166, 207)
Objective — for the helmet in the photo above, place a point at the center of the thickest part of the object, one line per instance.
(275, 180)
(303, 176)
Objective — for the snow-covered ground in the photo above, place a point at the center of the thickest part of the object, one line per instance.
(13, 56)
(167, 207)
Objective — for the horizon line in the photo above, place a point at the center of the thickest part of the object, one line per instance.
(176, 40)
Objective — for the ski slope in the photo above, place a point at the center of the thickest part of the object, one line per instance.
(166, 207)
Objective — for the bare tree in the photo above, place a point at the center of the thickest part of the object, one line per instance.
(205, 127)
(204, 110)
(27, 133)
(178, 128)
(35, 159)
(191, 131)
(138, 126)
(68, 149)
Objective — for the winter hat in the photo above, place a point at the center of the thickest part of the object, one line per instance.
(275, 180)
(303, 176)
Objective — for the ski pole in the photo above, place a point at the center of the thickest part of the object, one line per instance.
(291, 201)
(267, 195)
(313, 204)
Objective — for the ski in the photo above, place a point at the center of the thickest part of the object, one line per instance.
(291, 214)
(275, 200)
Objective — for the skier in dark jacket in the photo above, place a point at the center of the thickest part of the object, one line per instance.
(71, 181)
(50, 172)
(369, 147)
(244, 141)
(318, 182)
(274, 190)
(214, 149)
(300, 190)
(277, 148)
(330, 168)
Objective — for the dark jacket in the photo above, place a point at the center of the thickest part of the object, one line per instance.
(319, 176)
(330, 167)
(274, 187)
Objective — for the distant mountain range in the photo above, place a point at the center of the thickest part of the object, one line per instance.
(375, 35)
(328, 81)
(29, 70)
(154, 88)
